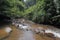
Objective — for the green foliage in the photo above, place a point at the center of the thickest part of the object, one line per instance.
(53, 10)
(34, 11)
(40, 11)
(12, 8)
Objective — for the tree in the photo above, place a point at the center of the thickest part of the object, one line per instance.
(52, 9)
(32, 9)
(11, 8)
(39, 11)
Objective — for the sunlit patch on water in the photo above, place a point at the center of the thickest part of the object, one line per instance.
(53, 32)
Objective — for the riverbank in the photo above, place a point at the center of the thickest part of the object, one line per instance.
(18, 34)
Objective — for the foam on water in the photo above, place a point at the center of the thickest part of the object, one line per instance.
(53, 32)
(23, 26)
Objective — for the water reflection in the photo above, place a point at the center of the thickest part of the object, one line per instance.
(27, 35)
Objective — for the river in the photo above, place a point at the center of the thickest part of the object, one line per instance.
(27, 34)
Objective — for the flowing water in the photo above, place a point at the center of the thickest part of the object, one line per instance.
(27, 34)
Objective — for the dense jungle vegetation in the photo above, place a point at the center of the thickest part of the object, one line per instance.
(39, 11)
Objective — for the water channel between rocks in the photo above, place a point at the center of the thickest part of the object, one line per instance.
(24, 33)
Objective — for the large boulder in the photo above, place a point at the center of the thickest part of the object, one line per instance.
(5, 32)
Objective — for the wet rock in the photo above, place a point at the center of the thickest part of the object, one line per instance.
(49, 34)
(39, 30)
(5, 32)
(36, 31)
(42, 30)
(8, 29)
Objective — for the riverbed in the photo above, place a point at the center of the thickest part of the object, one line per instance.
(28, 34)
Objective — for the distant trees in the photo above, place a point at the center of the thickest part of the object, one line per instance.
(39, 11)
(36, 12)
(53, 11)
